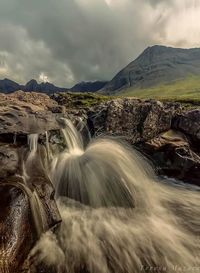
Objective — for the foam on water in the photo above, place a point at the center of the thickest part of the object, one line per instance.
(117, 216)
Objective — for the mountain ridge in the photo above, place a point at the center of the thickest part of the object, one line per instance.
(9, 86)
(156, 65)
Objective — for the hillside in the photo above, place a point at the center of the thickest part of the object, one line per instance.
(158, 72)
(157, 65)
(88, 86)
(182, 90)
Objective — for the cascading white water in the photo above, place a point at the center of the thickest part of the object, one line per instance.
(92, 176)
(35, 203)
(117, 216)
(33, 144)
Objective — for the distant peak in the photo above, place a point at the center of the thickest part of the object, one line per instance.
(8, 80)
(32, 81)
(155, 47)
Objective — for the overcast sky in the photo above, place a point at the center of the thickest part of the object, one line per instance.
(67, 41)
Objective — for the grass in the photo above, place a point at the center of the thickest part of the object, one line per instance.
(82, 100)
(187, 90)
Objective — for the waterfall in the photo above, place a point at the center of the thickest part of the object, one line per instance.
(35, 203)
(117, 216)
(92, 176)
(33, 144)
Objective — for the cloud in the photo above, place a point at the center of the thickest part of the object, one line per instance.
(75, 40)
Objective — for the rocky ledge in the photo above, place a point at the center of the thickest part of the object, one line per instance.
(168, 133)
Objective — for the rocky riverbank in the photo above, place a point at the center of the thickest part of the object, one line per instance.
(168, 133)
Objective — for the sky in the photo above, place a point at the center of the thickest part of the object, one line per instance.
(68, 41)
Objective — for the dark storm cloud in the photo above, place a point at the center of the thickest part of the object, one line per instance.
(74, 40)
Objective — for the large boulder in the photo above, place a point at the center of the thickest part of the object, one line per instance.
(17, 231)
(189, 123)
(25, 113)
(174, 156)
(136, 120)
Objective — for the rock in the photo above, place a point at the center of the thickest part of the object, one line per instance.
(63, 99)
(189, 123)
(32, 196)
(9, 160)
(16, 228)
(174, 156)
(147, 124)
(27, 200)
(28, 100)
(25, 113)
(135, 119)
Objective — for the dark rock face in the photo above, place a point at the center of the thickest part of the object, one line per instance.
(134, 119)
(174, 155)
(189, 123)
(157, 64)
(16, 228)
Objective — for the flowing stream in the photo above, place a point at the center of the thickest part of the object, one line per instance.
(117, 216)
(35, 203)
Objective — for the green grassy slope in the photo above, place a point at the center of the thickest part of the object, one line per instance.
(80, 100)
(182, 90)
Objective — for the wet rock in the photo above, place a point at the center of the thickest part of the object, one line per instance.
(25, 113)
(174, 156)
(22, 222)
(147, 124)
(189, 123)
(9, 160)
(27, 200)
(135, 119)
(17, 232)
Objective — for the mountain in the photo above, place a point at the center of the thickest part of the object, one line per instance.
(156, 65)
(8, 86)
(44, 87)
(88, 86)
(154, 69)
